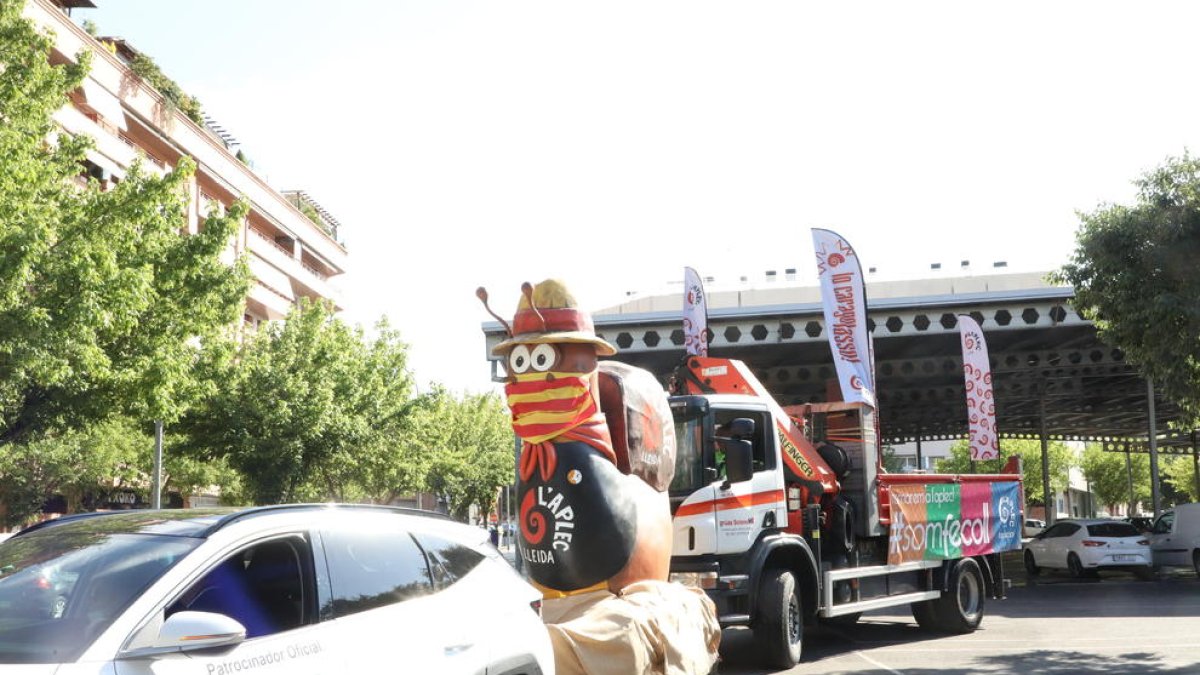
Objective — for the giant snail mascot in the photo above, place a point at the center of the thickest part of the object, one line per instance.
(597, 455)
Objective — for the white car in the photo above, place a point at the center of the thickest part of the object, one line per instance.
(1085, 546)
(300, 589)
(1033, 527)
(1175, 538)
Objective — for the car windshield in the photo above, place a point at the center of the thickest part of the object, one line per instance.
(1112, 530)
(60, 587)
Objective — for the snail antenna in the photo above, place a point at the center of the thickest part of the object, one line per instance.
(527, 291)
(482, 294)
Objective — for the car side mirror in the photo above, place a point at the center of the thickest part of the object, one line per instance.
(191, 631)
(739, 459)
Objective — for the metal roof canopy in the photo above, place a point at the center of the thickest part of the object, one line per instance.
(1042, 352)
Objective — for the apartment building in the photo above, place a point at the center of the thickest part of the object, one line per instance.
(293, 245)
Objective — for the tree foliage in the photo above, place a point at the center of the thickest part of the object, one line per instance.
(1061, 459)
(1180, 473)
(74, 465)
(1109, 476)
(144, 67)
(1135, 275)
(473, 457)
(104, 303)
(307, 408)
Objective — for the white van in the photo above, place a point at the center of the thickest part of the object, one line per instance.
(1175, 538)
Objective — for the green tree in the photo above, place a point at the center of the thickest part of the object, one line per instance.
(1180, 472)
(474, 455)
(75, 465)
(1108, 476)
(1061, 459)
(1135, 275)
(105, 305)
(306, 408)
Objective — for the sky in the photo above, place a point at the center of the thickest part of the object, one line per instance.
(610, 144)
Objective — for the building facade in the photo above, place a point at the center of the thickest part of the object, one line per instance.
(292, 244)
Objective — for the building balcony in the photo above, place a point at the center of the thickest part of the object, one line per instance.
(305, 280)
(112, 151)
(266, 303)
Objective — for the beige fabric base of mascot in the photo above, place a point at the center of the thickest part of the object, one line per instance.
(598, 452)
(649, 627)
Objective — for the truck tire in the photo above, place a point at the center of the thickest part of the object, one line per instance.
(923, 612)
(841, 526)
(779, 628)
(960, 607)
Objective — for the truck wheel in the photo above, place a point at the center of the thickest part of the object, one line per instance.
(779, 629)
(960, 608)
(1031, 567)
(841, 527)
(924, 614)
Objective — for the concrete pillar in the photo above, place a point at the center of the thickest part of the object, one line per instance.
(1051, 508)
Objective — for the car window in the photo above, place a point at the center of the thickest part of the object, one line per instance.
(369, 569)
(266, 587)
(1163, 524)
(448, 561)
(62, 586)
(1061, 530)
(1112, 530)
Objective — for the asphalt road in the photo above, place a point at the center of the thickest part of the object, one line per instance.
(1053, 625)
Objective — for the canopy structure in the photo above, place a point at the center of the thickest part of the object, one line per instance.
(1049, 366)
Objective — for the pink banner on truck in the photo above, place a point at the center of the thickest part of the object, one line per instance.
(943, 521)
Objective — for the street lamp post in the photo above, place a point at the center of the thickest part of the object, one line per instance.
(156, 500)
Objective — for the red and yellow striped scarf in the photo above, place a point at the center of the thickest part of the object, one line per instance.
(547, 406)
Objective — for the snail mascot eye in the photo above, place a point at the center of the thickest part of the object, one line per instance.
(544, 357)
(518, 359)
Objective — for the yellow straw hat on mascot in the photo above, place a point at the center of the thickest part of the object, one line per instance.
(548, 312)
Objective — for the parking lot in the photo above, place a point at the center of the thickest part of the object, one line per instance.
(1054, 624)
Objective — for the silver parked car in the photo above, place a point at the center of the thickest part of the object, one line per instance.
(291, 589)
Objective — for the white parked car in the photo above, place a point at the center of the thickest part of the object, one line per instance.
(1085, 546)
(287, 589)
(1032, 527)
(1175, 538)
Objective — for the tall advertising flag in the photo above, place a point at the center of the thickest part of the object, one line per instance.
(844, 299)
(981, 406)
(695, 314)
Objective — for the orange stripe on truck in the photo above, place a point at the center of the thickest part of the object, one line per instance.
(728, 503)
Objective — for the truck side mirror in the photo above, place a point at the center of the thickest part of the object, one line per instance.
(739, 457)
(741, 427)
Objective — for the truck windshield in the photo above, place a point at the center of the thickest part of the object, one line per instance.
(62, 586)
(689, 449)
